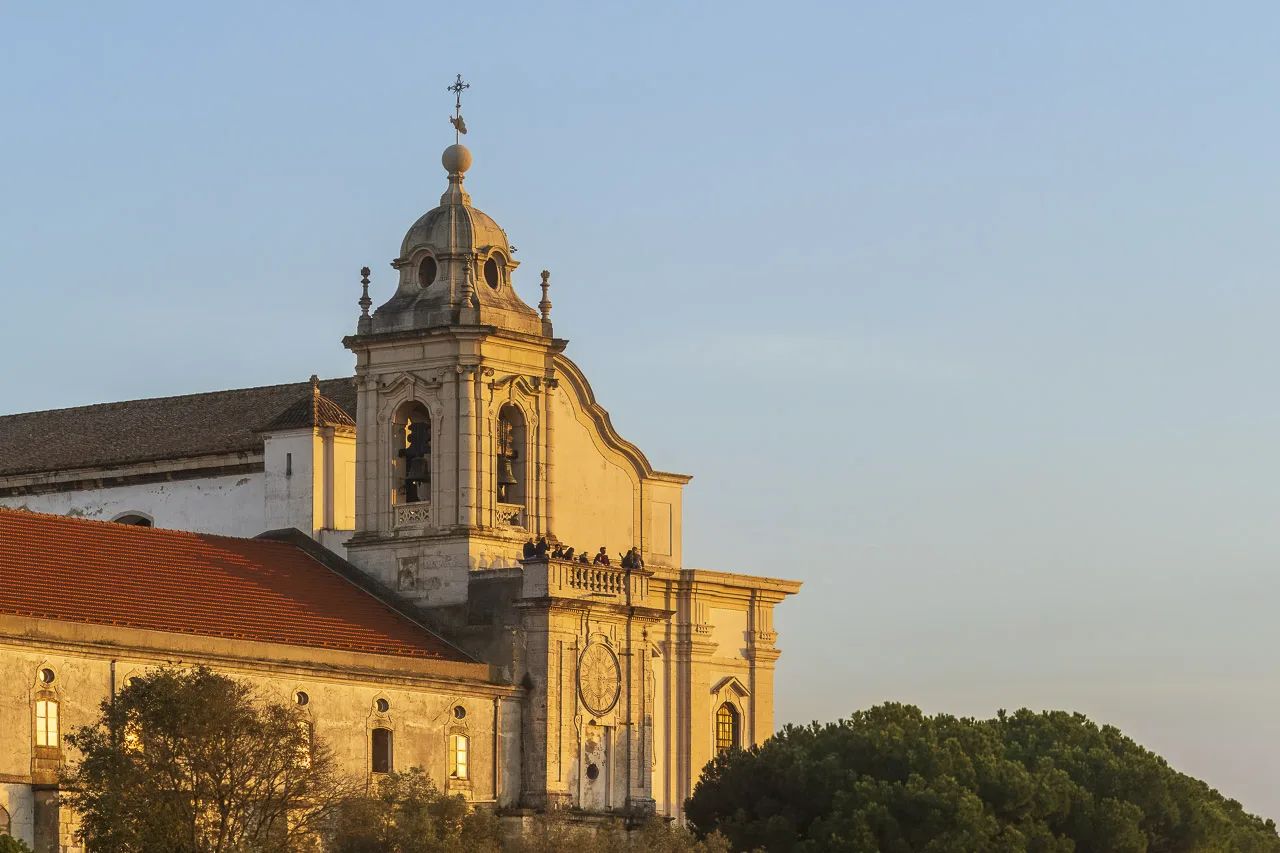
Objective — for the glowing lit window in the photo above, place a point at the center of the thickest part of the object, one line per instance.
(458, 766)
(726, 728)
(46, 722)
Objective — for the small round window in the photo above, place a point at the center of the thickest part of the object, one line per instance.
(46, 676)
(301, 698)
(427, 271)
(459, 712)
(383, 706)
(491, 272)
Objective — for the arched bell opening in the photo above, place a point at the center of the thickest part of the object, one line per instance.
(411, 437)
(511, 480)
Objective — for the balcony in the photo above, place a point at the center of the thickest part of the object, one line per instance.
(568, 579)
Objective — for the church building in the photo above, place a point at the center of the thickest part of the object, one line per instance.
(389, 554)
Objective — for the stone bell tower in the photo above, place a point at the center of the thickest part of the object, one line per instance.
(454, 373)
(475, 433)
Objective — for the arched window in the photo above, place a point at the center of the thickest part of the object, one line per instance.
(47, 722)
(5, 824)
(459, 763)
(412, 436)
(726, 728)
(136, 519)
(493, 272)
(381, 750)
(509, 442)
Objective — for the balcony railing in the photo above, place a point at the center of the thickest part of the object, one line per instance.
(510, 515)
(413, 515)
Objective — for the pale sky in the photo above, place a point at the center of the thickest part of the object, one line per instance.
(963, 314)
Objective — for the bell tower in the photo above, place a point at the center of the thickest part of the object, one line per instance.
(455, 377)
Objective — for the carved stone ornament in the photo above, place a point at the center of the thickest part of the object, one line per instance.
(599, 679)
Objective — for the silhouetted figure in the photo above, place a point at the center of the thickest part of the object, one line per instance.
(540, 550)
(568, 554)
(529, 549)
(558, 553)
(602, 558)
(632, 559)
(626, 561)
(584, 558)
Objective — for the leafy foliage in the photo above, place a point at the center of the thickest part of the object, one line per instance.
(408, 814)
(892, 780)
(190, 761)
(9, 844)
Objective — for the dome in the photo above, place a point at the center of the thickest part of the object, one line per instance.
(456, 267)
(449, 227)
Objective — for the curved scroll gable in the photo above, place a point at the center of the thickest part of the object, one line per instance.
(572, 375)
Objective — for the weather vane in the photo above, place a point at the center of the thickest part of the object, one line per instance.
(459, 126)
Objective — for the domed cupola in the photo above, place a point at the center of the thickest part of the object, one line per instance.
(455, 267)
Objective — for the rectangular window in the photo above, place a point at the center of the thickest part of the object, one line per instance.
(458, 757)
(46, 722)
(288, 464)
(382, 750)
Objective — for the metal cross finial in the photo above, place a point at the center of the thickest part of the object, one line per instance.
(459, 126)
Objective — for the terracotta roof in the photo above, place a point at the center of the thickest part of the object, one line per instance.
(98, 572)
(156, 429)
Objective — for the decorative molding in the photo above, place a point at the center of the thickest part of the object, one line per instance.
(731, 684)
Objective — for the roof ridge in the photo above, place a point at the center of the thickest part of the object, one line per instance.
(117, 403)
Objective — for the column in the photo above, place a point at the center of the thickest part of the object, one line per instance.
(466, 447)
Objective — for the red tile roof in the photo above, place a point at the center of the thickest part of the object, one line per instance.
(71, 569)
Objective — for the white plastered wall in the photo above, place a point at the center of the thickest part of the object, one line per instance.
(230, 505)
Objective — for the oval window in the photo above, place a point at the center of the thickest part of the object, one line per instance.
(427, 271)
(491, 272)
(46, 676)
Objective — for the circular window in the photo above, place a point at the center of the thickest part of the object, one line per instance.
(301, 698)
(46, 676)
(491, 272)
(593, 772)
(427, 271)
(383, 706)
(459, 712)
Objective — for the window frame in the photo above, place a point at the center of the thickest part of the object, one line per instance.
(728, 715)
(389, 765)
(48, 726)
(459, 757)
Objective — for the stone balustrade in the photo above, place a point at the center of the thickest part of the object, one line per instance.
(413, 514)
(547, 577)
(510, 515)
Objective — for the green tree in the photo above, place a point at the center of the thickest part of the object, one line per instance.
(9, 844)
(892, 780)
(190, 761)
(407, 813)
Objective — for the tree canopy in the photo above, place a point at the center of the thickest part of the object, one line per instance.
(190, 761)
(893, 780)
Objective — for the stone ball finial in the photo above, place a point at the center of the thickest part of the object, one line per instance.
(456, 158)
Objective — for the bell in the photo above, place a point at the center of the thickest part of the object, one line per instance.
(506, 475)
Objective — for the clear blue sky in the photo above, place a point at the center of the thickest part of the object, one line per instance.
(963, 314)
